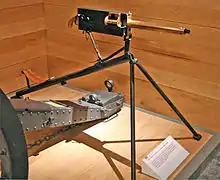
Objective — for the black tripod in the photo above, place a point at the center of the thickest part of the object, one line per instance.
(133, 61)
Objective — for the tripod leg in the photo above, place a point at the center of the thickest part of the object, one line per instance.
(132, 101)
(195, 134)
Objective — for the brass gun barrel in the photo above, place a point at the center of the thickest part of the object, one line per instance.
(148, 26)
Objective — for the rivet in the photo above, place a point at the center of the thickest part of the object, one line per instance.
(23, 113)
(3, 152)
(31, 113)
(22, 122)
(51, 112)
(69, 122)
(35, 127)
(42, 125)
(63, 122)
(55, 124)
(118, 103)
(69, 111)
(38, 113)
(63, 112)
(27, 129)
(57, 112)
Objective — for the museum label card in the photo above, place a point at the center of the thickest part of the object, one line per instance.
(164, 159)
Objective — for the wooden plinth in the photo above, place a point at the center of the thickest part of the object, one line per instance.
(101, 150)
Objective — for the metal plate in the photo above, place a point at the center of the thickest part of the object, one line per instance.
(13, 149)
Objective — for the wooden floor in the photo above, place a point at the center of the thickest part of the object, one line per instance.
(101, 150)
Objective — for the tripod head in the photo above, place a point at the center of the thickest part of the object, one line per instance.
(115, 23)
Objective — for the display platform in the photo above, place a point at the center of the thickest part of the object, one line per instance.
(101, 150)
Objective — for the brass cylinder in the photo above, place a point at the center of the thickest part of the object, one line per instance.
(143, 25)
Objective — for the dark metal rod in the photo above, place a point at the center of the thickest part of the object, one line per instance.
(27, 80)
(132, 107)
(144, 71)
(113, 54)
(94, 45)
(50, 82)
(132, 123)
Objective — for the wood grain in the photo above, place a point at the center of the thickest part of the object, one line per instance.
(22, 41)
(20, 14)
(11, 77)
(152, 9)
(21, 48)
(16, 29)
(18, 3)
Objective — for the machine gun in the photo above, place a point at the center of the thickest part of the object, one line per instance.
(29, 115)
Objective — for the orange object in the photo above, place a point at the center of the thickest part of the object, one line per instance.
(32, 76)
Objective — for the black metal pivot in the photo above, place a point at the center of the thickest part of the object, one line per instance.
(196, 136)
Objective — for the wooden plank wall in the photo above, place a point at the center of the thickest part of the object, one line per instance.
(22, 41)
(186, 67)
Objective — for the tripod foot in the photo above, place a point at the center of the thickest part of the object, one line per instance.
(197, 137)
